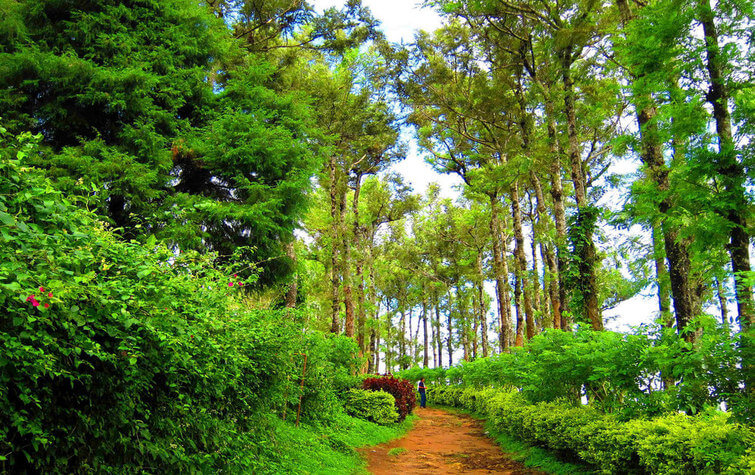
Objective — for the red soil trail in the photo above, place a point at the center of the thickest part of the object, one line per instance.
(442, 443)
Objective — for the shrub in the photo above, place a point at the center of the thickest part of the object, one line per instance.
(401, 389)
(374, 406)
(123, 356)
(675, 443)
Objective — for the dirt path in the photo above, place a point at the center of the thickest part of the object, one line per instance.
(442, 443)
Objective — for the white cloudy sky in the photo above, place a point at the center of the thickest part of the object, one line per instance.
(400, 20)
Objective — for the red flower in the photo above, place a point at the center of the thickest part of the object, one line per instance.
(30, 298)
(49, 295)
(41, 289)
(235, 275)
(47, 305)
(34, 303)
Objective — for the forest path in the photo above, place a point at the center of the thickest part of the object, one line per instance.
(442, 443)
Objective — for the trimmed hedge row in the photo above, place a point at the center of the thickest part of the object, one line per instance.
(375, 406)
(671, 444)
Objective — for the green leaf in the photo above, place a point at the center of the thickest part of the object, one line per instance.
(7, 219)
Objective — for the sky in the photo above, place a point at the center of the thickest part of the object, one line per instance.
(400, 20)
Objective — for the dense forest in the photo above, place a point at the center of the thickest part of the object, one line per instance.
(204, 235)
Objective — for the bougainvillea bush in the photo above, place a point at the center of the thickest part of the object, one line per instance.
(401, 389)
(129, 356)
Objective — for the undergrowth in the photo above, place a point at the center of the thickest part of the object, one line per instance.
(328, 448)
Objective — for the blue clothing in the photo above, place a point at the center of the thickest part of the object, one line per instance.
(422, 397)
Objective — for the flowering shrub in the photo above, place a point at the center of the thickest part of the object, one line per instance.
(125, 357)
(401, 389)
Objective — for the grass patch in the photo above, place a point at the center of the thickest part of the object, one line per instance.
(529, 456)
(396, 451)
(327, 448)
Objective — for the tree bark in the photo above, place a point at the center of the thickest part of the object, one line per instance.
(335, 281)
(449, 342)
(501, 276)
(521, 270)
(722, 303)
(481, 297)
(291, 292)
(426, 358)
(729, 169)
(348, 298)
(662, 277)
(677, 253)
(587, 254)
(359, 238)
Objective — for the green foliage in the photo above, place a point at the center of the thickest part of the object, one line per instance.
(155, 104)
(400, 389)
(131, 357)
(620, 373)
(323, 448)
(375, 406)
(673, 443)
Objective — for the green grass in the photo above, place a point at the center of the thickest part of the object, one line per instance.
(529, 456)
(396, 451)
(328, 449)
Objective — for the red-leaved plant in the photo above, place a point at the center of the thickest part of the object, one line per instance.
(401, 389)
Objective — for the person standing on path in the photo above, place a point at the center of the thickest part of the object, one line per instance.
(422, 396)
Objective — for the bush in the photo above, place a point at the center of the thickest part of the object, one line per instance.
(401, 389)
(124, 356)
(675, 443)
(374, 406)
(619, 372)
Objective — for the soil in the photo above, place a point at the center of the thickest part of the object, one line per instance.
(442, 443)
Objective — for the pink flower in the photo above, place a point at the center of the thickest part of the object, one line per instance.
(230, 284)
(241, 284)
(49, 295)
(34, 303)
(235, 275)
(30, 298)
(41, 289)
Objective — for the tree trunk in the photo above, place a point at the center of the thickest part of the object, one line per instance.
(335, 281)
(506, 295)
(359, 238)
(731, 172)
(437, 331)
(677, 253)
(291, 292)
(348, 298)
(402, 340)
(662, 277)
(426, 358)
(722, 303)
(501, 276)
(587, 254)
(449, 342)
(481, 297)
(521, 270)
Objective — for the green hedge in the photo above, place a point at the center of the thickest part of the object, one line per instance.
(375, 406)
(675, 443)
